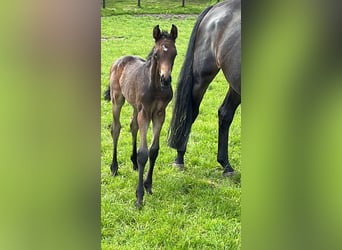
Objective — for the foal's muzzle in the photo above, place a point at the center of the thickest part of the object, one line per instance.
(165, 81)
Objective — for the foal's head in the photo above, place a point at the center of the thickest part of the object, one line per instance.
(164, 52)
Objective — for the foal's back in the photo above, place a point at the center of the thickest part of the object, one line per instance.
(127, 78)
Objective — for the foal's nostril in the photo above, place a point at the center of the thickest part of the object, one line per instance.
(165, 81)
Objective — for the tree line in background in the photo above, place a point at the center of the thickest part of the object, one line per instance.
(139, 5)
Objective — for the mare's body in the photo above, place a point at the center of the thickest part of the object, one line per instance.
(215, 44)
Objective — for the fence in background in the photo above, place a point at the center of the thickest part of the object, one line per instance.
(139, 4)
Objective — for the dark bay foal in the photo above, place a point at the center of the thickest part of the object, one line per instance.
(146, 85)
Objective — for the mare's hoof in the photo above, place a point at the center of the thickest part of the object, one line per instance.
(180, 166)
(234, 176)
(227, 173)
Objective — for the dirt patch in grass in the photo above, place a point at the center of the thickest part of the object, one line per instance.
(169, 16)
(113, 38)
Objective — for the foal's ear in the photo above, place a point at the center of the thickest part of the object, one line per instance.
(156, 33)
(174, 32)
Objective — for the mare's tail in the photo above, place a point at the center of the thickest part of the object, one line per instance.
(182, 116)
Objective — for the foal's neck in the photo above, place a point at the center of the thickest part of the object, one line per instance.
(153, 70)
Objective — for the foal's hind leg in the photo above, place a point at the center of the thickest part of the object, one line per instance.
(118, 101)
(134, 131)
(226, 114)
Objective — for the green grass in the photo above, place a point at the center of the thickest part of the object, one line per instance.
(192, 209)
(118, 7)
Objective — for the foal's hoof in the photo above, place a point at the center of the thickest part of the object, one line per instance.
(180, 166)
(114, 173)
(139, 205)
(134, 161)
(148, 188)
(114, 170)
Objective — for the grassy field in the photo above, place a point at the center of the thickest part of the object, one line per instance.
(118, 7)
(192, 209)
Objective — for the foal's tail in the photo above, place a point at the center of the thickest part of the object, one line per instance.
(182, 116)
(106, 94)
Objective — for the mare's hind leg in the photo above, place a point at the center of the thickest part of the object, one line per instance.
(202, 79)
(117, 101)
(134, 130)
(157, 120)
(226, 114)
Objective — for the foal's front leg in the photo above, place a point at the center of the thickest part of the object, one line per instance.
(157, 120)
(142, 156)
(134, 131)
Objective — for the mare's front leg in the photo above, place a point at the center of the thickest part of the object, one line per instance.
(157, 120)
(226, 114)
(142, 156)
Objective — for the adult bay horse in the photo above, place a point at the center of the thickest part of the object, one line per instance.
(146, 85)
(215, 43)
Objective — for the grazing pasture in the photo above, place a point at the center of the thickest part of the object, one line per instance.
(192, 209)
(118, 7)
